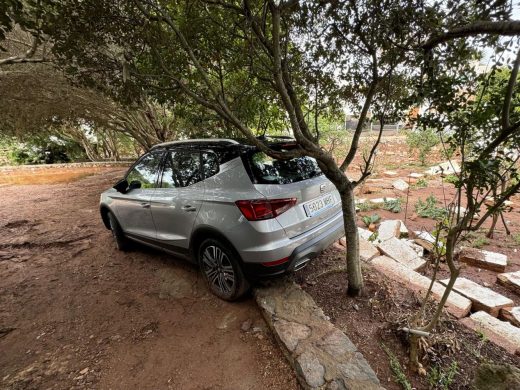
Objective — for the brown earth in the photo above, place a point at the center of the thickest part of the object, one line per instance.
(373, 319)
(76, 313)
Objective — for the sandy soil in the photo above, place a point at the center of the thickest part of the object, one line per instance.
(76, 313)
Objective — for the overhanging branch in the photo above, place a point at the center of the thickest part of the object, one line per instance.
(505, 28)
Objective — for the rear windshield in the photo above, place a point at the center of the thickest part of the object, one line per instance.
(267, 170)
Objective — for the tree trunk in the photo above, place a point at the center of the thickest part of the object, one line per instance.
(354, 276)
(491, 231)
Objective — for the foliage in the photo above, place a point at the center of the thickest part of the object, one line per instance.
(479, 242)
(430, 209)
(452, 179)
(393, 205)
(399, 375)
(516, 238)
(259, 65)
(422, 142)
(371, 219)
(366, 206)
(442, 379)
(45, 151)
(373, 237)
(485, 134)
(421, 183)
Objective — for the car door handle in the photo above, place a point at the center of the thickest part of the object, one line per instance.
(189, 208)
(145, 205)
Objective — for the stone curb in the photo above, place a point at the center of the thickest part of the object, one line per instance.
(322, 356)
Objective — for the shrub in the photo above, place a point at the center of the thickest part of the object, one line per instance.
(452, 179)
(422, 141)
(421, 183)
(393, 205)
(371, 219)
(429, 209)
(366, 206)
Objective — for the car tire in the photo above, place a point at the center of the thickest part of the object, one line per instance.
(122, 243)
(221, 270)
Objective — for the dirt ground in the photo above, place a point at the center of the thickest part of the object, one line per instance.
(372, 321)
(76, 313)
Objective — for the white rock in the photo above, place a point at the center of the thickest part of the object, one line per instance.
(484, 259)
(388, 229)
(423, 235)
(390, 173)
(367, 250)
(402, 253)
(499, 332)
(365, 234)
(400, 185)
(456, 303)
(380, 201)
(511, 314)
(483, 298)
(417, 248)
(414, 175)
(446, 168)
(510, 280)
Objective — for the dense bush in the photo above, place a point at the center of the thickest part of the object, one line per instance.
(42, 151)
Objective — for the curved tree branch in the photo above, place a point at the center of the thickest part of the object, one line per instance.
(510, 27)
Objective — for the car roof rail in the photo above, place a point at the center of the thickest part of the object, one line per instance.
(197, 141)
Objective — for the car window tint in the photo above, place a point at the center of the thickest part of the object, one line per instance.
(267, 170)
(146, 170)
(181, 169)
(210, 163)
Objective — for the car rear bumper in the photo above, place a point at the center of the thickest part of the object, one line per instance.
(301, 255)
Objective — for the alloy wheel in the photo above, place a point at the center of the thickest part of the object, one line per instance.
(218, 269)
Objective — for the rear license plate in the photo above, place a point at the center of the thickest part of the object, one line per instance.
(319, 205)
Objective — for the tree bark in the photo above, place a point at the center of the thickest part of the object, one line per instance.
(354, 275)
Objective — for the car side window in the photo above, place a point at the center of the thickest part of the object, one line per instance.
(181, 169)
(146, 170)
(210, 164)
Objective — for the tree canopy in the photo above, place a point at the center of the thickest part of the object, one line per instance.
(253, 66)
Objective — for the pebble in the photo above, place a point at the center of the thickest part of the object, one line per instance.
(246, 325)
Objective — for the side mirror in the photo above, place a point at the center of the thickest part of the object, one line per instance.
(121, 186)
(134, 185)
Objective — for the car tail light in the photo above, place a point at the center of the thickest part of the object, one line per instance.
(259, 209)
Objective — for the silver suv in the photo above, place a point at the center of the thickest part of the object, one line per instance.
(227, 206)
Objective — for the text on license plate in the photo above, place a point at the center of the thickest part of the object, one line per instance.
(318, 205)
